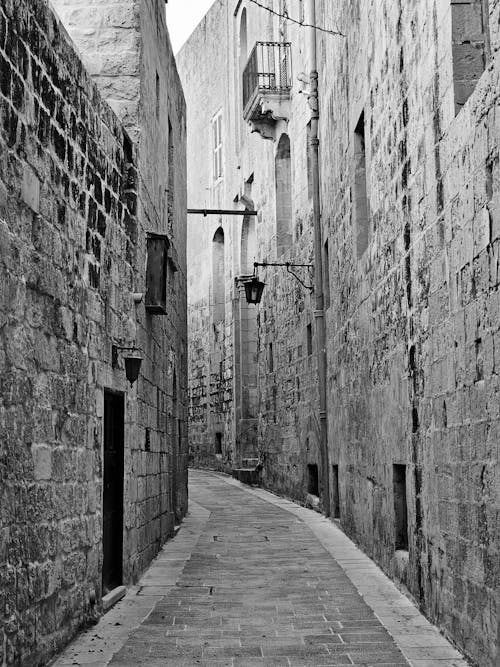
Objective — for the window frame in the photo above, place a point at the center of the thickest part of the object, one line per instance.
(217, 147)
(153, 304)
(361, 188)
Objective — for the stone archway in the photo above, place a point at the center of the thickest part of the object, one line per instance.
(283, 182)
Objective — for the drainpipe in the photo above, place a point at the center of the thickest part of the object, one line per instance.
(319, 312)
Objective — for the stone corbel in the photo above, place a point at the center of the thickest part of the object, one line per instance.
(273, 111)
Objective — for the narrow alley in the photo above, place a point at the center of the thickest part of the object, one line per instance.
(250, 242)
(248, 582)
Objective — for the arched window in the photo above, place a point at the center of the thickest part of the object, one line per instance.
(283, 176)
(218, 278)
(243, 40)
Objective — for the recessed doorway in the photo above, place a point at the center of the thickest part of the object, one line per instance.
(112, 542)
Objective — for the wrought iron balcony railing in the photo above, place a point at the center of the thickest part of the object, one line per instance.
(268, 70)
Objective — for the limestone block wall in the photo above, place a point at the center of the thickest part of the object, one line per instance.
(108, 37)
(413, 326)
(409, 189)
(261, 413)
(126, 48)
(210, 347)
(75, 206)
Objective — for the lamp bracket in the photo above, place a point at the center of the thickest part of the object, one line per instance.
(115, 349)
(288, 265)
(244, 279)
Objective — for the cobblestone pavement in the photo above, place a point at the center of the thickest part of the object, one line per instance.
(247, 582)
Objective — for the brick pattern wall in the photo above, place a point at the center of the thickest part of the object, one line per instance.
(143, 89)
(412, 326)
(108, 38)
(283, 431)
(211, 364)
(74, 210)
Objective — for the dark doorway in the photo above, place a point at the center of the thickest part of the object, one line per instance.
(218, 442)
(114, 416)
(175, 445)
(313, 480)
(336, 492)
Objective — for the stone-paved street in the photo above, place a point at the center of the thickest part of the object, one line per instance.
(257, 586)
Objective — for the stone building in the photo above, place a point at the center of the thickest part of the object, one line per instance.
(407, 262)
(253, 390)
(93, 469)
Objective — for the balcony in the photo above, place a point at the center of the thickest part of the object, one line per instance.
(267, 81)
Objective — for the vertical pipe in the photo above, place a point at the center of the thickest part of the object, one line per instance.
(319, 312)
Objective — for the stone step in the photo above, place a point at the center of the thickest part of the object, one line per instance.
(113, 597)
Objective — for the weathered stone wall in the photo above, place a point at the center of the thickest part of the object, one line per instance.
(126, 48)
(76, 201)
(413, 322)
(412, 303)
(210, 348)
(263, 413)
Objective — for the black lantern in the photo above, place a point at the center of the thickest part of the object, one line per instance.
(132, 366)
(253, 290)
(133, 361)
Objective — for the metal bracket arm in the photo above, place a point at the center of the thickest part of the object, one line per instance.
(288, 265)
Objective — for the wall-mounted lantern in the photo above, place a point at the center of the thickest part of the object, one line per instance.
(132, 359)
(254, 287)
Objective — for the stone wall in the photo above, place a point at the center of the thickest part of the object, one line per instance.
(262, 413)
(412, 327)
(77, 199)
(409, 195)
(210, 346)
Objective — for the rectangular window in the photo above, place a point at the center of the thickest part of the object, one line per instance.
(171, 180)
(400, 507)
(360, 203)
(156, 274)
(470, 45)
(335, 492)
(217, 145)
(270, 359)
(309, 340)
(157, 96)
(283, 12)
(309, 148)
(301, 11)
(161, 411)
(326, 275)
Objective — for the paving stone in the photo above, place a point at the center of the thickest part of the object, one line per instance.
(293, 608)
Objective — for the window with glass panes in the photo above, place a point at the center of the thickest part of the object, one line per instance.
(217, 145)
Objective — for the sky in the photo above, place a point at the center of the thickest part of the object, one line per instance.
(182, 18)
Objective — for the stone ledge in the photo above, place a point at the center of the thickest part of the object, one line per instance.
(113, 597)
